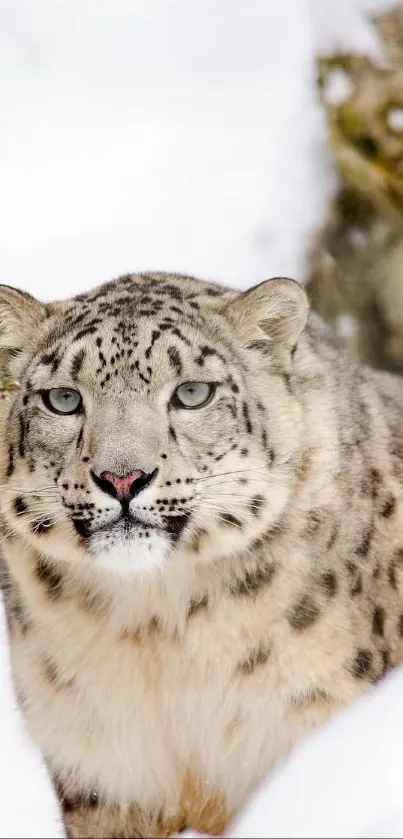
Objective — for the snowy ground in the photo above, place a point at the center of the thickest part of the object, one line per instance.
(170, 135)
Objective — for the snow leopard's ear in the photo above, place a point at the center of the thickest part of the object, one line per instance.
(269, 315)
(20, 318)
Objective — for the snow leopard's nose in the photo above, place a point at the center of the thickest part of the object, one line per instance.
(123, 487)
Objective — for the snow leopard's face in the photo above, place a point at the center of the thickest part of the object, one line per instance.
(137, 429)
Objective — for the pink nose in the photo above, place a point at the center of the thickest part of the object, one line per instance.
(123, 484)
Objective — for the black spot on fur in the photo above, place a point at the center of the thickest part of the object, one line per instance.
(371, 483)
(395, 563)
(51, 671)
(42, 526)
(51, 579)
(197, 606)
(87, 330)
(19, 614)
(196, 539)
(253, 581)
(315, 696)
(10, 464)
(364, 546)
(351, 566)
(314, 521)
(174, 525)
(362, 664)
(304, 614)
(329, 583)
(51, 359)
(385, 661)
(204, 353)
(255, 658)
(77, 364)
(20, 506)
(248, 424)
(175, 360)
(172, 433)
(389, 506)
(356, 588)
(256, 504)
(378, 620)
(333, 536)
(232, 521)
(21, 438)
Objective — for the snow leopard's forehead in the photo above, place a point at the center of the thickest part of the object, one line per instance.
(134, 327)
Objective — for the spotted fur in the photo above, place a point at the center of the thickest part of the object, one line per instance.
(169, 650)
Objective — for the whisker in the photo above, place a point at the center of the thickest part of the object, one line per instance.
(24, 489)
(229, 495)
(233, 472)
(234, 483)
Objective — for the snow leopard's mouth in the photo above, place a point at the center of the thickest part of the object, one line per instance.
(127, 525)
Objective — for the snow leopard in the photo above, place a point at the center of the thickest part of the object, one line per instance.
(202, 540)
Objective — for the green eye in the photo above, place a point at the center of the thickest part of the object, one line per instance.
(62, 400)
(193, 394)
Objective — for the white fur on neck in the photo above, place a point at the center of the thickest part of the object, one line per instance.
(132, 555)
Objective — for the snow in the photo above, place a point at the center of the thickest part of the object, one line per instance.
(185, 136)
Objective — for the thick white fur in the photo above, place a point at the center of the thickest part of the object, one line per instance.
(28, 805)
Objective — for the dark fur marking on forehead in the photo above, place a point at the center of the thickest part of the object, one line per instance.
(176, 331)
(82, 333)
(255, 658)
(156, 333)
(205, 352)
(51, 359)
(77, 364)
(175, 360)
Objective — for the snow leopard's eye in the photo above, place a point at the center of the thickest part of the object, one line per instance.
(193, 394)
(62, 400)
